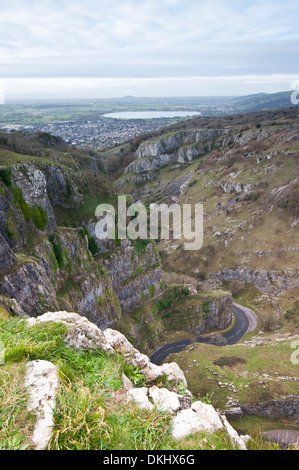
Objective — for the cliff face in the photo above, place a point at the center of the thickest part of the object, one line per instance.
(180, 146)
(46, 266)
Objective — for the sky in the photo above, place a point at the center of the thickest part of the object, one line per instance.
(114, 48)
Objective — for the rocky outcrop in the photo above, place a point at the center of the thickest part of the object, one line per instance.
(33, 184)
(200, 417)
(203, 311)
(180, 146)
(288, 408)
(74, 280)
(84, 335)
(61, 188)
(177, 139)
(81, 335)
(266, 281)
(134, 272)
(235, 187)
(219, 314)
(62, 273)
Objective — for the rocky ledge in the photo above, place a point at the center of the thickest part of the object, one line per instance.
(42, 382)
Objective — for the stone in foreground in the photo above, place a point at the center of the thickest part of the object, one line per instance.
(41, 381)
(200, 417)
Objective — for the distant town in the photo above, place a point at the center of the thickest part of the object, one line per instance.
(97, 135)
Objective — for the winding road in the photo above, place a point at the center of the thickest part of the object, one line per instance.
(246, 321)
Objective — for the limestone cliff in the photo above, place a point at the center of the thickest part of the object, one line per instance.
(46, 266)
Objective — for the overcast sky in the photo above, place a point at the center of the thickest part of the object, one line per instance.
(111, 48)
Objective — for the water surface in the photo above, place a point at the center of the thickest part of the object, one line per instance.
(151, 114)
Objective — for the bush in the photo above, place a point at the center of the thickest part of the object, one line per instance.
(39, 217)
(269, 322)
(92, 245)
(140, 245)
(20, 201)
(5, 175)
(57, 251)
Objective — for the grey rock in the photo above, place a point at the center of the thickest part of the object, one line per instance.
(140, 396)
(33, 184)
(7, 256)
(200, 417)
(41, 382)
(164, 399)
(234, 413)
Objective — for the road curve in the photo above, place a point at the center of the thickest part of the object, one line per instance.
(246, 321)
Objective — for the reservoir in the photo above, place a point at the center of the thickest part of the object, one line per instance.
(151, 114)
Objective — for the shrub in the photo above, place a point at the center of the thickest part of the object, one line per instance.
(92, 245)
(5, 175)
(269, 322)
(140, 245)
(39, 217)
(20, 201)
(57, 251)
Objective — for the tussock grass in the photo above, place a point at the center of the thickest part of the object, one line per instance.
(15, 421)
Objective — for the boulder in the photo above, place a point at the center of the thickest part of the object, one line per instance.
(234, 412)
(140, 396)
(200, 417)
(174, 373)
(164, 399)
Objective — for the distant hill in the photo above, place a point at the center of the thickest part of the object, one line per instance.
(263, 101)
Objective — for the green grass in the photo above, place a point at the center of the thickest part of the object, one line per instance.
(76, 217)
(242, 366)
(15, 421)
